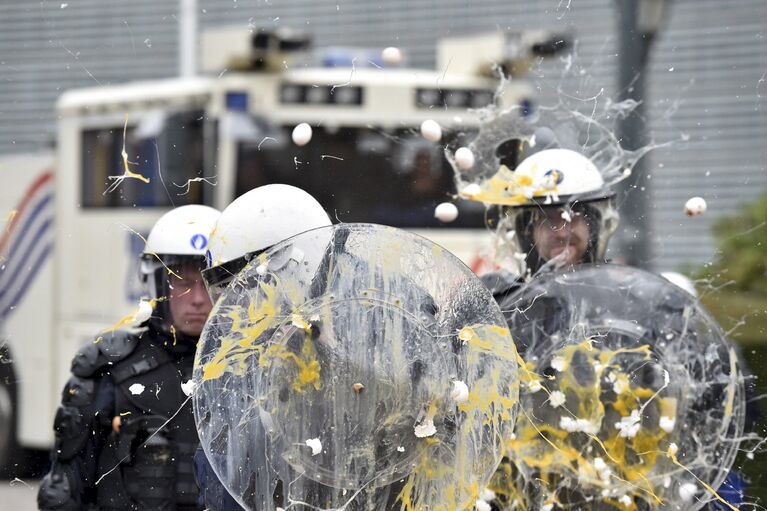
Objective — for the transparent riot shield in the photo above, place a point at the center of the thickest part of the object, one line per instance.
(631, 395)
(357, 367)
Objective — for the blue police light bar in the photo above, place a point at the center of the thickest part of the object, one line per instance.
(352, 57)
(237, 101)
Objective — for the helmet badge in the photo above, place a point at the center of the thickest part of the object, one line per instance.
(555, 176)
(199, 241)
(552, 178)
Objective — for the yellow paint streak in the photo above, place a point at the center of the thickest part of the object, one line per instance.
(241, 344)
(508, 188)
(301, 322)
(148, 250)
(488, 339)
(507, 487)
(126, 321)
(553, 451)
(127, 173)
(540, 433)
(718, 497)
(308, 374)
(730, 400)
(220, 361)
(445, 476)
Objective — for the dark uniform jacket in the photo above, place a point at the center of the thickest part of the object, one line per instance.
(148, 464)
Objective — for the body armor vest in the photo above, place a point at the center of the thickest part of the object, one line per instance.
(148, 465)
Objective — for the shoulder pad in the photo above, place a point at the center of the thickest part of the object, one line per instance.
(79, 392)
(104, 351)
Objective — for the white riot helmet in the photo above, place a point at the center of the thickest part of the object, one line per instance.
(562, 179)
(179, 237)
(557, 176)
(254, 222)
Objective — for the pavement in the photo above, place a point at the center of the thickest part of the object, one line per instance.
(18, 494)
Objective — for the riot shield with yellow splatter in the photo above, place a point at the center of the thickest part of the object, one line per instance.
(356, 367)
(632, 397)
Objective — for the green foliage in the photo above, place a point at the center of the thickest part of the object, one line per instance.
(742, 250)
(739, 303)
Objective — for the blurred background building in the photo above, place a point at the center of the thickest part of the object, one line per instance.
(705, 86)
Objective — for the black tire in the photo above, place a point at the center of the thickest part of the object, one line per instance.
(15, 461)
(9, 447)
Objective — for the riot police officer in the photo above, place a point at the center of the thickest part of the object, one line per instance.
(250, 225)
(125, 433)
(374, 362)
(567, 220)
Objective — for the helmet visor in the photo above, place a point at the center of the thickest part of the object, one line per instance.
(217, 278)
(530, 237)
(157, 274)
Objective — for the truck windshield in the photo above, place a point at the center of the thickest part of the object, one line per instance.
(391, 177)
(165, 148)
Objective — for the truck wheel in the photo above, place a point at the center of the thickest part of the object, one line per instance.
(9, 448)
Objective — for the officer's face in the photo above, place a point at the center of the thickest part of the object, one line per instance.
(189, 301)
(555, 236)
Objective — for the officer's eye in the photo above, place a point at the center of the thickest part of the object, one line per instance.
(181, 283)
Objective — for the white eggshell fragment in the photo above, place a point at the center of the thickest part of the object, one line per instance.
(487, 495)
(391, 56)
(667, 423)
(471, 190)
(446, 212)
(136, 389)
(302, 134)
(188, 387)
(481, 505)
(695, 206)
(460, 393)
(426, 428)
(557, 398)
(431, 131)
(687, 491)
(559, 363)
(315, 445)
(143, 313)
(464, 158)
